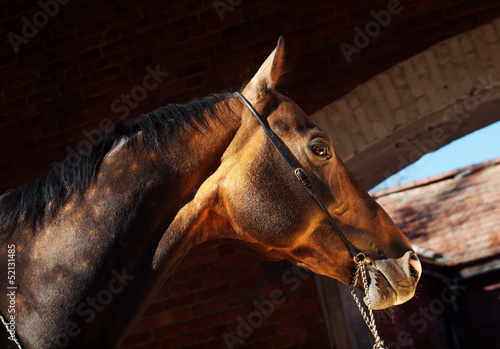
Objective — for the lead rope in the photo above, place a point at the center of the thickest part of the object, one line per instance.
(15, 340)
(361, 261)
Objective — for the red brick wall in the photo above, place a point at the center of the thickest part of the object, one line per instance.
(221, 295)
(69, 75)
(65, 77)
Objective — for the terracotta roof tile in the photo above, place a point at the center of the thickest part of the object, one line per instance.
(453, 218)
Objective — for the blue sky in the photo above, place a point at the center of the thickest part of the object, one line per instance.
(479, 146)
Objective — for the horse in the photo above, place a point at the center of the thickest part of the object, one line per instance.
(86, 246)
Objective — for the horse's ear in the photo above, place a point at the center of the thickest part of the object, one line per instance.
(269, 73)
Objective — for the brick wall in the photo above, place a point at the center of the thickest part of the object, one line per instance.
(68, 68)
(221, 296)
(69, 71)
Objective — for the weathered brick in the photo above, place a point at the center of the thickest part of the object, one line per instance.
(154, 308)
(204, 322)
(217, 305)
(248, 283)
(191, 273)
(170, 331)
(281, 341)
(144, 324)
(177, 302)
(298, 336)
(165, 318)
(232, 314)
(214, 292)
(211, 280)
(137, 339)
(199, 309)
(189, 260)
(287, 326)
(292, 311)
(182, 314)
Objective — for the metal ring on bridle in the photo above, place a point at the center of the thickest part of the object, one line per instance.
(360, 258)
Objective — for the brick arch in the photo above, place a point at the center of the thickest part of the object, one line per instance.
(418, 105)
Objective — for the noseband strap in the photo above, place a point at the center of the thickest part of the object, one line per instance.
(297, 170)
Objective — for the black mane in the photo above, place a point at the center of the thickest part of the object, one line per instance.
(46, 194)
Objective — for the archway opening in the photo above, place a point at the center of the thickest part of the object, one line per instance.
(475, 148)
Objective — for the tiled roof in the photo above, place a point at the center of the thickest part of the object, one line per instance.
(451, 219)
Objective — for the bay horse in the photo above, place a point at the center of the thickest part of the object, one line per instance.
(91, 242)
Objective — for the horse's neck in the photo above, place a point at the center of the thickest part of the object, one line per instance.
(137, 194)
(115, 229)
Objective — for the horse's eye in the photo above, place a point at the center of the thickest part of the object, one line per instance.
(321, 150)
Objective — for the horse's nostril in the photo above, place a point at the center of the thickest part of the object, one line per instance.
(413, 272)
(414, 266)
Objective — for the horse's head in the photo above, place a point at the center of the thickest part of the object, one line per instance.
(274, 215)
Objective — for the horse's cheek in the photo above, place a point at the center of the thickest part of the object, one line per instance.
(263, 216)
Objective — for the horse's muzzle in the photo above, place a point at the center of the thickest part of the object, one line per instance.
(393, 281)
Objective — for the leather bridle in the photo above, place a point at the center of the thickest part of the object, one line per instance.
(298, 171)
